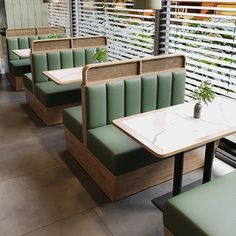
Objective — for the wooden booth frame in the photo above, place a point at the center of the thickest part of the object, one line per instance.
(117, 187)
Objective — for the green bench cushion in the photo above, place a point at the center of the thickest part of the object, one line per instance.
(28, 82)
(19, 67)
(51, 94)
(118, 152)
(72, 120)
(209, 209)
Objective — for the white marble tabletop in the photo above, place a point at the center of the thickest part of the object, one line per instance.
(65, 76)
(22, 53)
(171, 130)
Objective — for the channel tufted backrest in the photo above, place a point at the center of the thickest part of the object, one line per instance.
(21, 43)
(53, 60)
(115, 99)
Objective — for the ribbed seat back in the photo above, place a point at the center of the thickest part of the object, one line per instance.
(14, 43)
(53, 60)
(111, 100)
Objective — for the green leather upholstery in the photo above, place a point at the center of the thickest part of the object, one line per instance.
(112, 100)
(118, 152)
(178, 87)
(20, 43)
(149, 93)
(12, 44)
(40, 64)
(115, 99)
(60, 59)
(79, 57)
(43, 37)
(133, 96)
(31, 39)
(72, 119)
(23, 43)
(89, 54)
(53, 59)
(67, 59)
(19, 67)
(51, 94)
(208, 210)
(28, 83)
(164, 90)
(96, 106)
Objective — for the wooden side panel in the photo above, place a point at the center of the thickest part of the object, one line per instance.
(21, 32)
(108, 71)
(51, 30)
(127, 68)
(64, 43)
(163, 64)
(89, 42)
(17, 82)
(50, 116)
(49, 45)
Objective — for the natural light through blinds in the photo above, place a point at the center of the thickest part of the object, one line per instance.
(59, 14)
(205, 32)
(130, 32)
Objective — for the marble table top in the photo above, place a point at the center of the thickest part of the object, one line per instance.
(171, 130)
(65, 76)
(22, 53)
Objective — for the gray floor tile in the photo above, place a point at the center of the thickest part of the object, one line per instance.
(15, 125)
(24, 157)
(37, 200)
(136, 215)
(83, 224)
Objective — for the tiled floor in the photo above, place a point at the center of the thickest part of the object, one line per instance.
(44, 192)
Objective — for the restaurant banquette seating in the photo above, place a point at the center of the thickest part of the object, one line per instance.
(22, 39)
(119, 165)
(205, 210)
(46, 98)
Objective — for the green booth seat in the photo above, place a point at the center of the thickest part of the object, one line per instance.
(19, 67)
(51, 94)
(72, 119)
(28, 83)
(117, 151)
(207, 210)
(111, 100)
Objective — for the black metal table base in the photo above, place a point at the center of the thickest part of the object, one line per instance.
(159, 202)
(178, 175)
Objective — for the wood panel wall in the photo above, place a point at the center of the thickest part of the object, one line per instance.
(26, 13)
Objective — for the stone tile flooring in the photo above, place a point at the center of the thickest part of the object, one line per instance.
(43, 191)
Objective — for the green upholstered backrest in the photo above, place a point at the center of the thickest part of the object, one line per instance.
(59, 60)
(22, 43)
(18, 43)
(111, 100)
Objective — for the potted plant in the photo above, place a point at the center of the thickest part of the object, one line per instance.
(100, 55)
(53, 36)
(203, 93)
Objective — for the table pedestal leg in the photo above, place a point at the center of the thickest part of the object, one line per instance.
(178, 173)
(209, 156)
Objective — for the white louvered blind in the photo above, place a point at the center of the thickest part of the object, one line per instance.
(206, 33)
(59, 15)
(130, 32)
